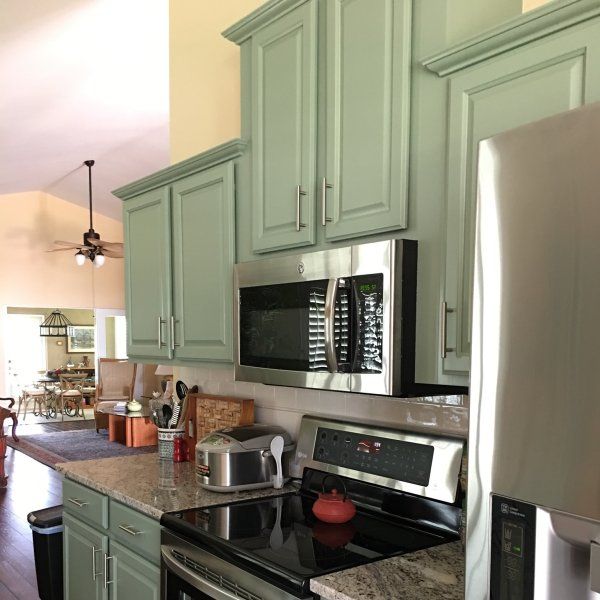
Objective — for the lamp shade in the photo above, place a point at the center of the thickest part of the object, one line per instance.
(164, 370)
(55, 325)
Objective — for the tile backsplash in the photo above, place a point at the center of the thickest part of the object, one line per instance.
(285, 406)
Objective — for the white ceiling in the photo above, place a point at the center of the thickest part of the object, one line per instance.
(82, 79)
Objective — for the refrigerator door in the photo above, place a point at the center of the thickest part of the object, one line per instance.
(535, 380)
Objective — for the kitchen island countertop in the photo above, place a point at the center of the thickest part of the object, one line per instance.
(436, 574)
(150, 485)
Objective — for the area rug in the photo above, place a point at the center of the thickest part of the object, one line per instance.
(65, 446)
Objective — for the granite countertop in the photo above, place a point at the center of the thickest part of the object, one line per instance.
(150, 485)
(436, 573)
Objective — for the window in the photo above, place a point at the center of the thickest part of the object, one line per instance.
(26, 350)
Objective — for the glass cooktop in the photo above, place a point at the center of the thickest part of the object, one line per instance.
(281, 535)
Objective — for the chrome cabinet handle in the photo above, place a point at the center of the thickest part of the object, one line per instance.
(324, 187)
(161, 321)
(78, 503)
(299, 193)
(107, 582)
(330, 298)
(444, 310)
(94, 573)
(173, 344)
(129, 529)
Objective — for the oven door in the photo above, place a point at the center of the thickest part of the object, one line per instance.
(192, 573)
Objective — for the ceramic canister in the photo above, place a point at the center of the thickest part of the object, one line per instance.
(165, 442)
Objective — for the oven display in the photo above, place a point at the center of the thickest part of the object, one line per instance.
(395, 459)
(369, 446)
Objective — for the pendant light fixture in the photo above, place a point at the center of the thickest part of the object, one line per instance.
(55, 325)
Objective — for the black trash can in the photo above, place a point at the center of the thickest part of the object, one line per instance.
(47, 528)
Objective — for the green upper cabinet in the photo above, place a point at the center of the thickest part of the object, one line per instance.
(203, 258)
(284, 55)
(180, 252)
(320, 176)
(147, 273)
(368, 94)
(544, 77)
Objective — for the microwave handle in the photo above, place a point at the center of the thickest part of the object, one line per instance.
(330, 300)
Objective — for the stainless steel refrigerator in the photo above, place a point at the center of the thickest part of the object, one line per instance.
(533, 499)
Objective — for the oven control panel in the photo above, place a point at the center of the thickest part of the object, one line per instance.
(378, 455)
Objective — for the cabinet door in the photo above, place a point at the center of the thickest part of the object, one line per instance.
(146, 221)
(133, 577)
(203, 258)
(536, 81)
(284, 130)
(368, 94)
(83, 550)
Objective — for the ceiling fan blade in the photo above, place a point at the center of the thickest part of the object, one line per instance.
(67, 244)
(61, 249)
(118, 246)
(112, 253)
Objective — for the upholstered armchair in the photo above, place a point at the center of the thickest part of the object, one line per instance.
(116, 378)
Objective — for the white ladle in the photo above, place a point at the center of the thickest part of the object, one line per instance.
(277, 450)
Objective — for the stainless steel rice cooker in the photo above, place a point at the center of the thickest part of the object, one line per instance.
(244, 458)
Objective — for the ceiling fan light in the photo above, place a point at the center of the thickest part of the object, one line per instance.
(80, 258)
(99, 259)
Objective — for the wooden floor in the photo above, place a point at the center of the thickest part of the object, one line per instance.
(31, 486)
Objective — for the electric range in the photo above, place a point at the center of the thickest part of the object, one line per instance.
(405, 487)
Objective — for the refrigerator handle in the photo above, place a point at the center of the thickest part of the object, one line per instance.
(330, 300)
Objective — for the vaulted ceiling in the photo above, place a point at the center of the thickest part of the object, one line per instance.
(82, 79)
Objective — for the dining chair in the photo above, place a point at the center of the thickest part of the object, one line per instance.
(35, 394)
(70, 396)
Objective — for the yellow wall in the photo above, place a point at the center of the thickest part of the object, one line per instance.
(531, 4)
(204, 74)
(29, 276)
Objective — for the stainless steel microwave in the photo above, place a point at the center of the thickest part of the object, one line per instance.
(342, 319)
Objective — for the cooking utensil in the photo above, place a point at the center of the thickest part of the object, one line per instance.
(331, 507)
(277, 444)
(175, 417)
(181, 389)
(167, 411)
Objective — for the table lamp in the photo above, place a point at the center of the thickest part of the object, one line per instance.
(166, 382)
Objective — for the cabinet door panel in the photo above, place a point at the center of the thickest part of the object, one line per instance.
(146, 221)
(284, 129)
(79, 542)
(368, 93)
(134, 578)
(556, 74)
(203, 247)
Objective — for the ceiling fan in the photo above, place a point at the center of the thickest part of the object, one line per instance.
(93, 247)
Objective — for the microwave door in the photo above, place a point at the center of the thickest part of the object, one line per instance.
(285, 335)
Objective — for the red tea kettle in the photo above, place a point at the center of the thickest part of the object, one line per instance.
(332, 507)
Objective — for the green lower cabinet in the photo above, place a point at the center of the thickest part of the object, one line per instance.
(133, 577)
(84, 549)
(540, 79)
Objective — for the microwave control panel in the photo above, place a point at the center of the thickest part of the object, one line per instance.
(386, 457)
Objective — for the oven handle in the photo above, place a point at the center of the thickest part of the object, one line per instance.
(330, 300)
(193, 578)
